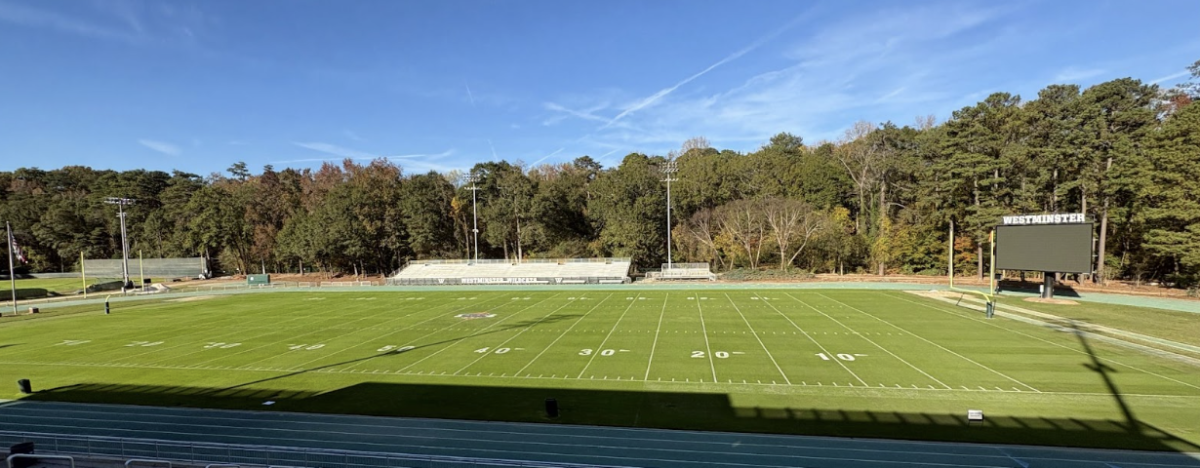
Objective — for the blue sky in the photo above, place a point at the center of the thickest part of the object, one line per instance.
(199, 85)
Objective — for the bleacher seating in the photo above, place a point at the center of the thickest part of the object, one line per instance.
(684, 271)
(537, 271)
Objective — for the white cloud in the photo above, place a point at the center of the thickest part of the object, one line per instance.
(547, 156)
(884, 65)
(428, 161)
(160, 146)
(653, 98)
(34, 17)
(1073, 75)
(353, 136)
(1173, 76)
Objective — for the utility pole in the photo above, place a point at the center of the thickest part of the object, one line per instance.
(669, 169)
(474, 188)
(121, 202)
(12, 272)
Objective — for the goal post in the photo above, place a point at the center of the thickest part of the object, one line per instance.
(989, 297)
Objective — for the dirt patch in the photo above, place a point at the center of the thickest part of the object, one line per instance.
(1051, 301)
(192, 298)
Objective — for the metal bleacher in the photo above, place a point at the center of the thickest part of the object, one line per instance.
(684, 271)
(534, 271)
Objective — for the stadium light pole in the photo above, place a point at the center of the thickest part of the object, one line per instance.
(474, 188)
(121, 202)
(12, 273)
(670, 168)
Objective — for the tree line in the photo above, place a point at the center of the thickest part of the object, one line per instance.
(878, 200)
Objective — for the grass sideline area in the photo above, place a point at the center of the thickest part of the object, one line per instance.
(33, 288)
(1183, 327)
(825, 362)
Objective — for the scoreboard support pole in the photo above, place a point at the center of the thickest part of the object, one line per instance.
(1047, 285)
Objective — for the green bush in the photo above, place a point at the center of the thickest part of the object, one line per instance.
(748, 274)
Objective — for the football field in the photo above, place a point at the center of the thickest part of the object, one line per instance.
(836, 362)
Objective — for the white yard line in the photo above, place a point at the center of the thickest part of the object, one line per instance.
(194, 342)
(760, 341)
(606, 337)
(877, 345)
(810, 338)
(240, 340)
(943, 348)
(465, 376)
(398, 330)
(275, 343)
(707, 348)
(653, 346)
(564, 333)
(1050, 343)
(481, 331)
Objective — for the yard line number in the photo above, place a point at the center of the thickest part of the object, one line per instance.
(603, 352)
(842, 356)
(143, 343)
(497, 350)
(220, 345)
(305, 346)
(716, 354)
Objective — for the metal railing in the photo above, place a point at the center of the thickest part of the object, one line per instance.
(214, 454)
(497, 261)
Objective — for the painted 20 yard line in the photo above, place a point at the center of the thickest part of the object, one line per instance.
(194, 342)
(285, 340)
(707, 348)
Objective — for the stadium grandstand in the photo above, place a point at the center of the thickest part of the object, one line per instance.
(156, 267)
(683, 271)
(533, 271)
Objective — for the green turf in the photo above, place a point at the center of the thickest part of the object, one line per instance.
(859, 363)
(44, 287)
(1183, 327)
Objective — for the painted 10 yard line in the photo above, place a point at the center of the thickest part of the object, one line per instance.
(810, 338)
(610, 332)
(972, 361)
(481, 331)
(661, 313)
(530, 327)
(760, 341)
(955, 314)
(877, 345)
(564, 333)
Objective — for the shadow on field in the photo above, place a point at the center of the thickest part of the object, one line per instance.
(32, 293)
(667, 410)
(516, 325)
(1061, 289)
